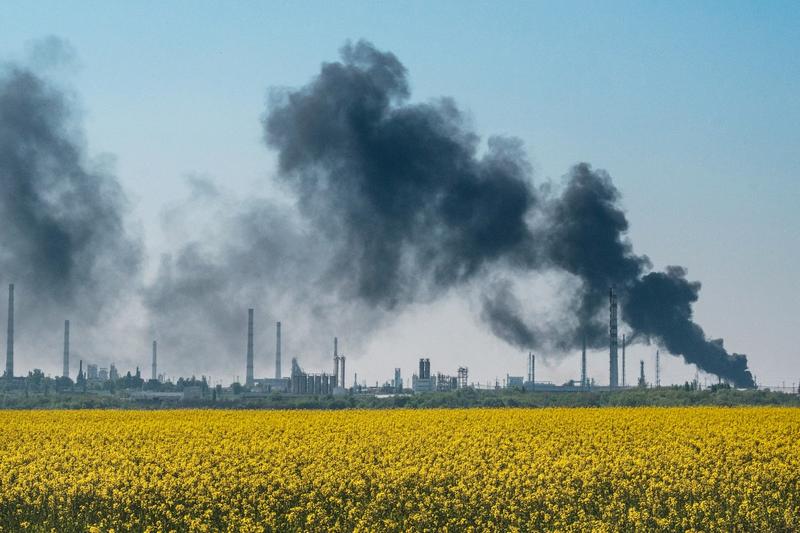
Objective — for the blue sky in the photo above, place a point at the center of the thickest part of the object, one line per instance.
(693, 107)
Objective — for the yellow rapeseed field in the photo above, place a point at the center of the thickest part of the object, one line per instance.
(674, 469)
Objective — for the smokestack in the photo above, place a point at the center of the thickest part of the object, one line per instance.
(155, 366)
(10, 334)
(583, 364)
(623, 359)
(278, 350)
(530, 367)
(424, 368)
(65, 372)
(642, 382)
(658, 370)
(341, 358)
(249, 378)
(336, 360)
(533, 371)
(613, 339)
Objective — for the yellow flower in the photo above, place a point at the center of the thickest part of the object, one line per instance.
(688, 469)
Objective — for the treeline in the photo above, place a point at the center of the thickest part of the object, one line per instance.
(466, 398)
(37, 383)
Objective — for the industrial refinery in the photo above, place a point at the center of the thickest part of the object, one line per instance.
(92, 379)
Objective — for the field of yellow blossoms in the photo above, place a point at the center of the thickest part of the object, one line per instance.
(674, 469)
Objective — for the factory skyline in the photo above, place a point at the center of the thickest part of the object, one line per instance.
(301, 382)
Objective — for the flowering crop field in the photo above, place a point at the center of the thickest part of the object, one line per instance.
(674, 469)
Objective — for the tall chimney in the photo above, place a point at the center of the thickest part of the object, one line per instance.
(658, 370)
(642, 382)
(584, 384)
(623, 359)
(278, 350)
(530, 367)
(613, 339)
(10, 334)
(336, 360)
(341, 359)
(155, 367)
(249, 378)
(65, 372)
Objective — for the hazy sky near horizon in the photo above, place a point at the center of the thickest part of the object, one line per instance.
(692, 107)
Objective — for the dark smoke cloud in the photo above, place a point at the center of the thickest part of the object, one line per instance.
(64, 240)
(399, 187)
(395, 206)
(660, 305)
(396, 203)
(581, 232)
(503, 312)
(586, 237)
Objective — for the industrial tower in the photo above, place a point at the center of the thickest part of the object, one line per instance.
(463, 377)
(10, 338)
(336, 362)
(584, 383)
(154, 375)
(249, 379)
(278, 350)
(532, 369)
(65, 370)
(658, 369)
(642, 382)
(623, 359)
(613, 339)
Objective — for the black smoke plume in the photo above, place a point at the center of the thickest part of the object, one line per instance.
(401, 188)
(660, 305)
(394, 204)
(398, 203)
(63, 237)
(503, 312)
(586, 237)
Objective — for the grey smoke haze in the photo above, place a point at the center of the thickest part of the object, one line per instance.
(394, 203)
(255, 253)
(64, 241)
